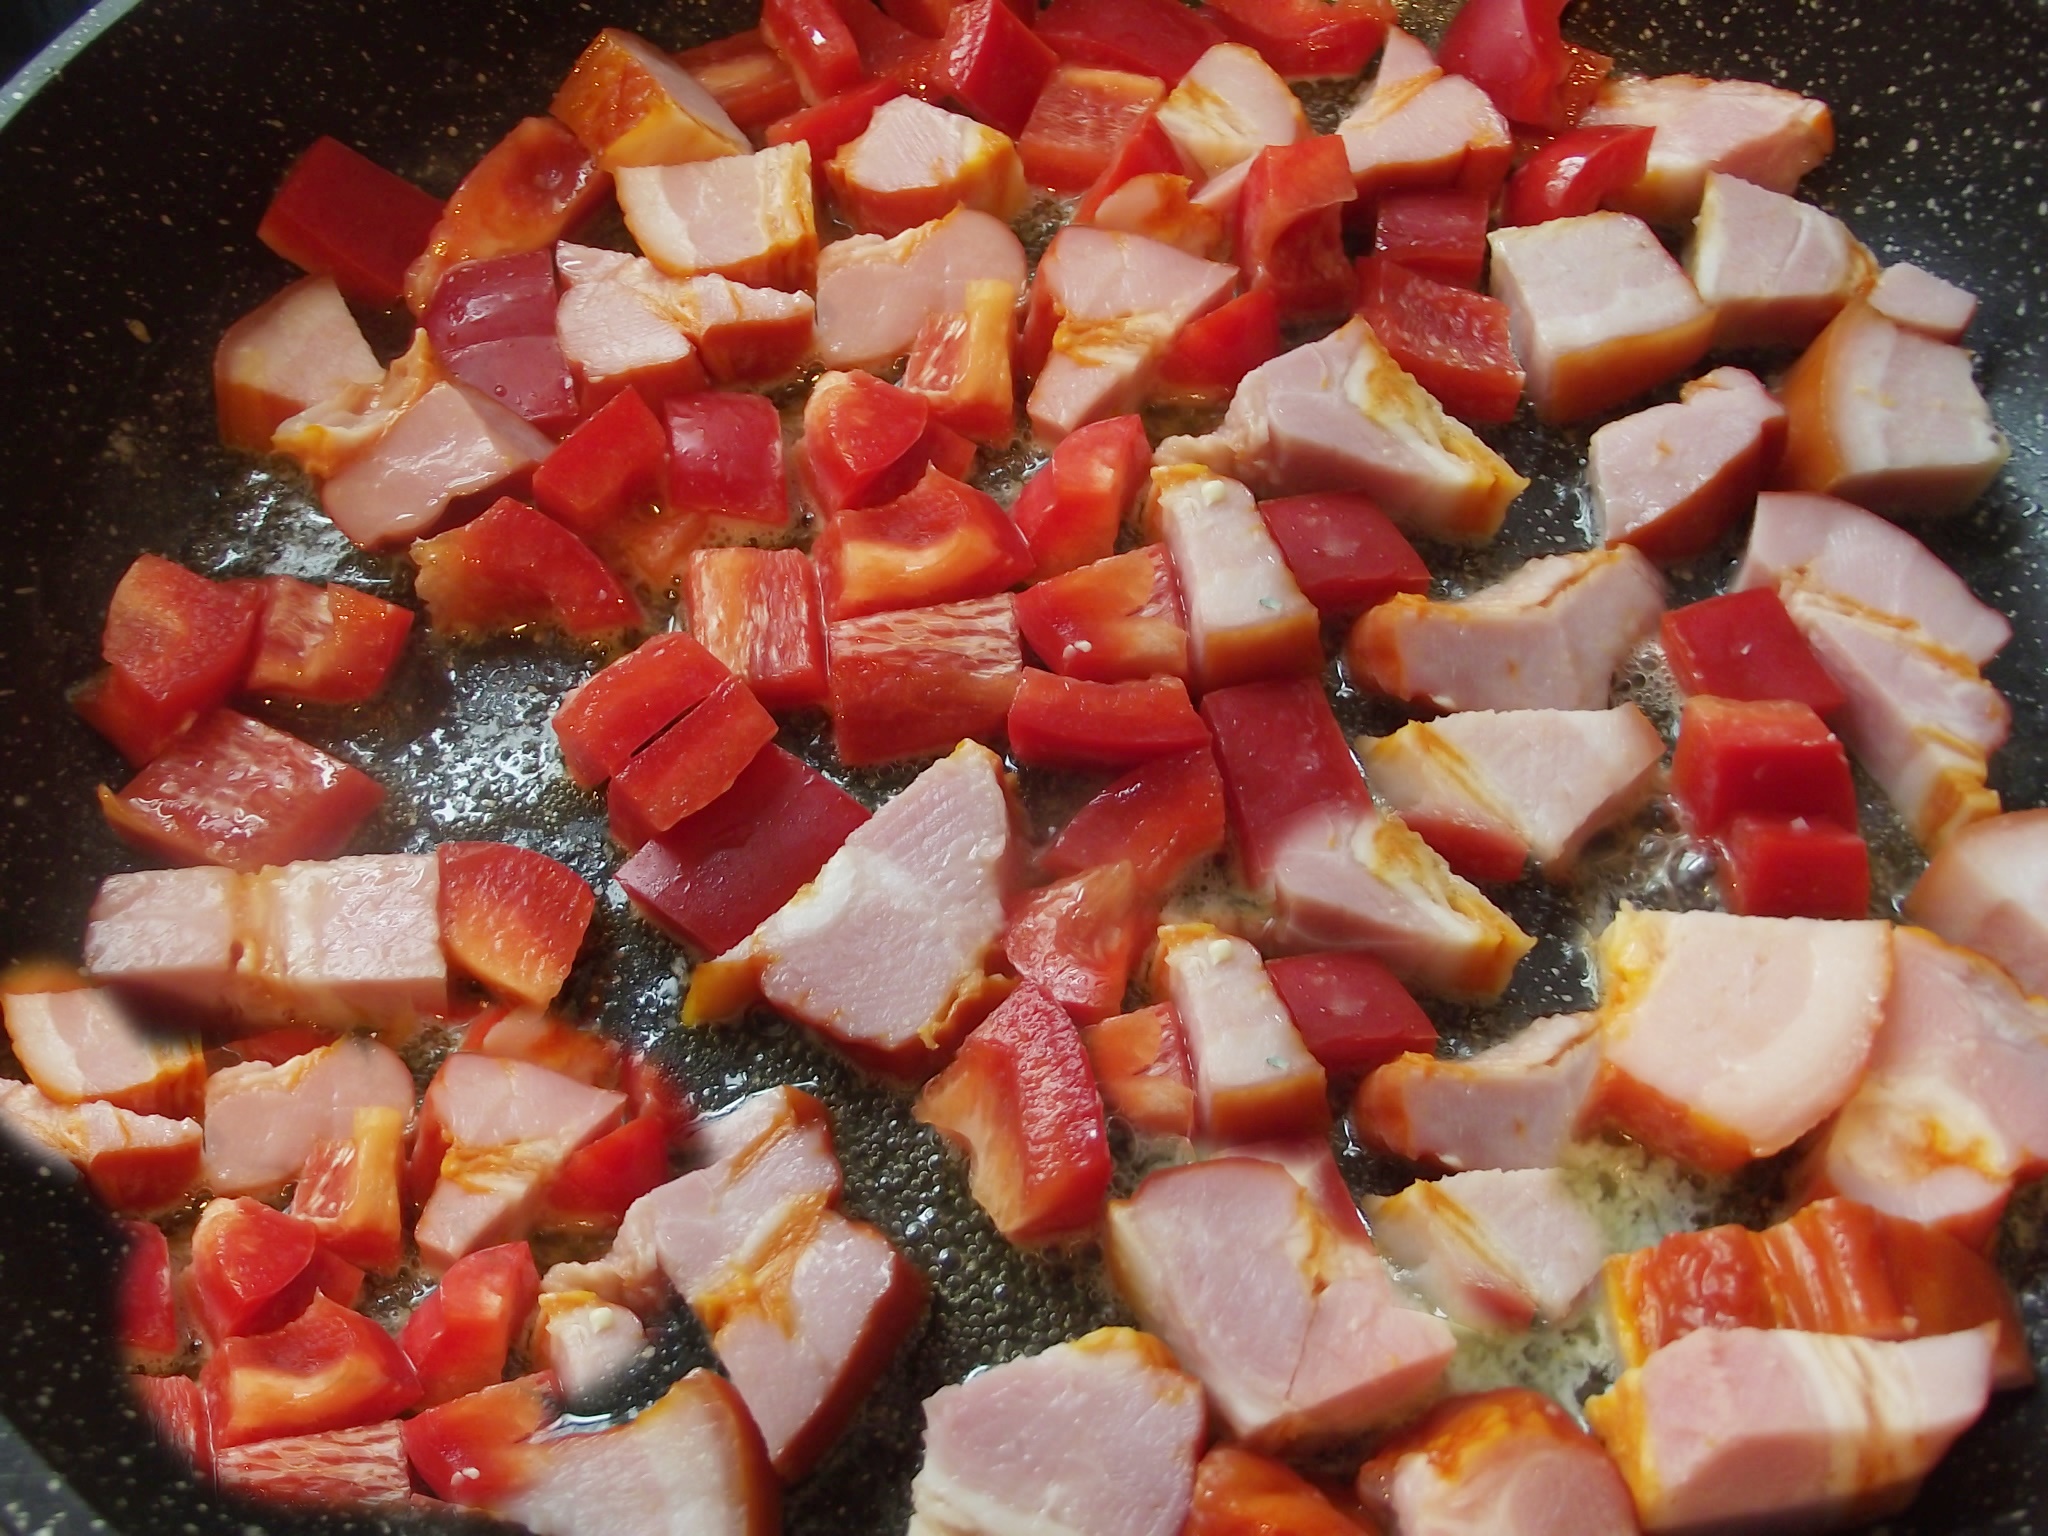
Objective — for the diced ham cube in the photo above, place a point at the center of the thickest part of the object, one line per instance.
(1544, 780)
(1598, 310)
(1915, 298)
(1987, 890)
(1280, 1307)
(614, 331)
(1514, 1105)
(586, 1342)
(1888, 418)
(874, 294)
(1099, 1435)
(1728, 1038)
(1774, 270)
(1802, 1431)
(84, 1044)
(1246, 617)
(263, 1121)
(917, 162)
(1158, 205)
(1494, 1249)
(632, 104)
(139, 1165)
(329, 433)
(1765, 135)
(300, 349)
(884, 952)
(747, 217)
(1419, 127)
(1228, 107)
(169, 936)
(342, 941)
(1673, 479)
(1551, 636)
(1254, 1078)
(1340, 414)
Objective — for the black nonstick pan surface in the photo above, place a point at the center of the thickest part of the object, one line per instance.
(131, 181)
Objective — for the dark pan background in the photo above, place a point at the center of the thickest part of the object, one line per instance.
(130, 187)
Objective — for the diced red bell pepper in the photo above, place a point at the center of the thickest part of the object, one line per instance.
(601, 1180)
(116, 712)
(1213, 353)
(529, 1034)
(1148, 37)
(1075, 938)
(831, 125)
(1281, 753)
(940, 542)
(1241, 1493)
(492, 323)
(1081, 116)
(916, 680)
(602, 723)
(1071, 509)
(513, 568)
(1162, 818)
(725, 457)
(1513, 51)
(459, 1337)
(891, 51)
(1764, 757)
(814, 41)
(1484, 853)
(1744, 645)
(512, 918)
(251, 1268)
(473, 1450)
(1111, 621)
(1145, 149)
(1020, 1097)
(234, 791)
(1345, 553)
(757, 611)
(1066, 722)
(1289, 234)
(348, 1191)
(654, 1093)
(1307, 39)
(329, 1368)
(340, 213)
(746, 77)
(325, 645)
(613, 462)
(1453, 340)
(1143, 1070)
(690, 764)
(145, 1309)
(1773, 867)
(712, 878)
(1352, 1012)
(340, 1469)
(178, 645)
(866, 442)
(176, 1411)
(1568, 177)
(997, 64)
(1585, 74)
(1439, 232)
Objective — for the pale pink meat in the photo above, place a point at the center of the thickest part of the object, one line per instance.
(1549, 779)
(1246, 616)
(339, 942)
(621, 321)
(873, 294)
(1254, 1078)
(1915, 298)
(297, 350)
(1097, 1436)
(586, 1341)
(1228, 107)
(916, 162)
(1773, 269)
(85, 1044)
(262, 1120)
(1514, 1105)
(1764, 135)
(751, 218)
(1772, 1429)
(326, 435)
(1987, 890)
(139, 1165)
(1416, 126)
(169, 935)
(1158, 205)
(1673, 478)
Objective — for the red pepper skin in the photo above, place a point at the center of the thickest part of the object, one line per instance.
(1769, 758)
(1290, 229)
(176, 646)
(1353, 1013)
(602, 723)
(914, 681)
(1071, 509)
(1282, 753)
(1454, 341)
(1744, 645)
(833, 123)
(615, 461)
(1075, 938)
(459, 1336)
(340, 213)
(1439, 232)
(329, 1368)
(996, 63)
(942, 541)
(816, 43)
(513, 567)
(758, 611)
(690, 764)
(1513, 51)
(725, 457)
(1109, 621)
(325, 645)
(1213, 353)
(1147, 37)
(1064, 722)
(1772, 867)
(1081, 118)
(1162, 818)
(512, 918)
(1307, 39)
(746, 77)
(1568, 177)
(145, 1307)
(1345, 553)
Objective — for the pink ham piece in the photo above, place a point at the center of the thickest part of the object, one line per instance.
(1765, 135)
(1551, 636)
(1820, 544)
(1673, 479)
(874, 294)
(631, 103)
(586, 1342)
(1419, 127)
(138, 1165)
(747, 217)
(326, 435)
(1254, 1078)
(1246, 617)
(340, 942)
(1598, 310)
(1545, 779)
(1987, 890)
(1725, 1039)
(507, 1126)
(1340, 414)
(884, 952)
(1285, 1313)
(1099, 1435)
(1774, 270)
(169, 936)
(1514, 1105)
(83, 1044)
(1493, 1249)
(1772, 1429)
(1920, 717)
(1158, 206)
(916, 162)
(262, 1121)
(1953, 1110)
(1227, 108)
(1505, 1463)
(299, 349)
(1111, 306)
(1910, 296)
(1888, 418)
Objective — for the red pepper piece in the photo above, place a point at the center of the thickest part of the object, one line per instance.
(914, 681)
(996, 63)
(813, 39)
(865, 442)
(941, 542)
(1353, 1014)
(1568, 177)
(1142, 1068)
(1778, 868)
(1075, 938)
(1071, 509)
(1064, 722)
(458, 1338)
(1744, 645)
(145, 1309)
(1454, 341)
(1081, 117)
(348, 1191)
(690, 764)
(251, 1268)
(746, 77)
(601, 1180)
(1307, 39)
(1513, 51)
(1163, 817)
(1145, 149)
(1766, 757)
(340, 213)
(757, 611)
(177, 645)
(832, 124)
(1147, 37)
(1110, 621)
(472, 1450)
(176, 1411)
(1281, 753)
(1438, 232)
(725, 457)
(1213, 353)
(325, 645)
(512, 918)
(1290, 232)
(1345, 553)
(612, 463)
(602, 723)
(511, 568)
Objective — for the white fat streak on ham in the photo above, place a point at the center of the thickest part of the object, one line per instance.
(1234, 582)
(751, 218)
(586, 1341)
(873, 294)
(1773, 269)
(1987, 890)
(1241, 1038)
(1713, 445)
(83, 1134)
(171, 934)
(1763, 134)
(1915, 298)
(915, 161)
(343, 941)
(328, 434)
(1795, 1431)
(1097, 1436)
(262, 1120)
(85, 1044)
(1228, 107)
(1550, 778)
(299, 349)
(1415, 125)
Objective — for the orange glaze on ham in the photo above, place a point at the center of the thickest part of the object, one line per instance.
(139, 1165)
(1227, 108)
(916, 163)
(1416, 126)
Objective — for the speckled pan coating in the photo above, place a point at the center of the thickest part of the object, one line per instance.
(130, 189)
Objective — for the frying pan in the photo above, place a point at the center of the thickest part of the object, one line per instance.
(131, 181)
